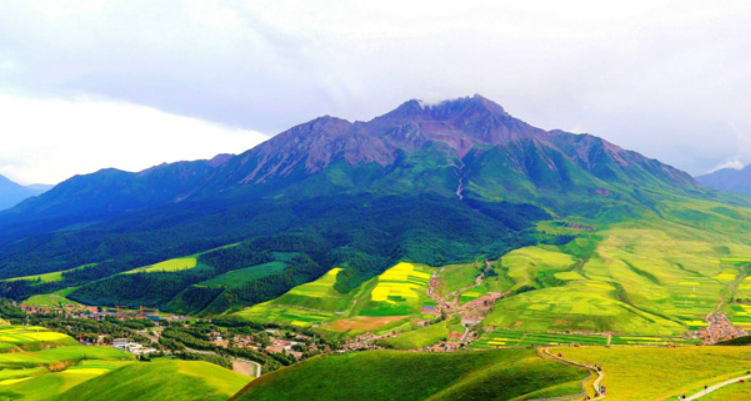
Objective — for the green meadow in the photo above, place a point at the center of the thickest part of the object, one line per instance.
(168, 380)
(57, 298)
(382, 375)
(653, 373)
(171, 265)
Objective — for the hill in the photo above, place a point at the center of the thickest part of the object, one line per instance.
(12, 194)
(160, 380)
(729, 179)
(501, 375)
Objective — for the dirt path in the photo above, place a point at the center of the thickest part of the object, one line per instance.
(710, 389)
(600, 375)
(460, 187)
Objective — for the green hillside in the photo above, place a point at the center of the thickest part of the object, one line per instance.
(651, 373)
(162, 380)
(382, 375)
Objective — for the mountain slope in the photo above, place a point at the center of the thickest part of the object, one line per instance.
(11, 193)
(729, 179)
(426, 183)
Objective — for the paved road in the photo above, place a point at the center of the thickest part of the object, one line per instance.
(232, 358)
(717, 387)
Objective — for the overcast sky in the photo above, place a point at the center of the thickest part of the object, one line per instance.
(129, 84)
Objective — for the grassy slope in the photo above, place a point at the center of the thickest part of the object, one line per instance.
(380, 375)
(649, 373)
(161, 380)
(422, 336)
(32, 376)
(733, 392)
(644, 276)
(52, 299)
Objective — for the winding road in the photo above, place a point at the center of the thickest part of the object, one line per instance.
(231, 358)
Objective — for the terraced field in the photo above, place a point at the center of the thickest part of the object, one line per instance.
(304, 305)
(17, 338)
(382, 303)
(509, 338)
(651, 279)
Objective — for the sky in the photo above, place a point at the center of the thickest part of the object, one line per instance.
(129, 84)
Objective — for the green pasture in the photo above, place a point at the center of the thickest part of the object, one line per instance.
(655, 373)
(168, 380)
(513, 374)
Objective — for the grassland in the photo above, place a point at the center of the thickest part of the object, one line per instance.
(171, 265)
(47, 277)
(733, 392)
(652, 373)
(384, 375)
(168, 380)
(57, 298)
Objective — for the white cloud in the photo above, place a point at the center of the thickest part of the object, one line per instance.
(48, 140)
(669, 78)
(733, 164)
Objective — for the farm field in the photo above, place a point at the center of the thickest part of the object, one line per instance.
(169, 380)
(644, 279)
(422, 336)
(508, 338)
(456, 277)
(399, 291)
(16, 338)
(303, 305)
(531, 266)
(650, 373)
(378, 304)
(379, 375)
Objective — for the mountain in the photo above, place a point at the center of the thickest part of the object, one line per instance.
(434, 184)
(11, 193)
(729, 179)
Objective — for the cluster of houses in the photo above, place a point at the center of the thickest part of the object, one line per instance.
(277, 345)
(132, 347)
(76, 311)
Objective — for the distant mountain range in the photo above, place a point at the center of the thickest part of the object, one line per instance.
(12, 194)
(729, 179)
(430, 183)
